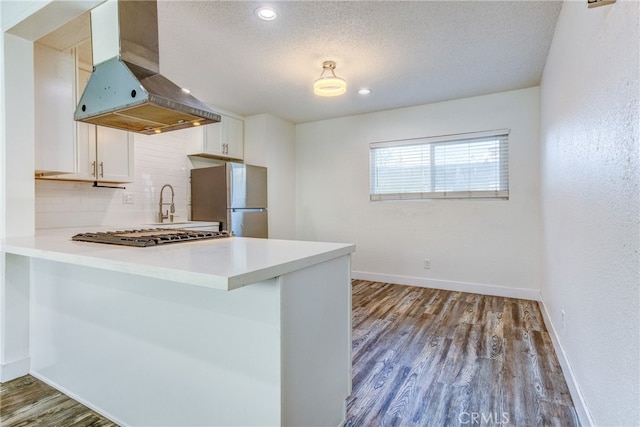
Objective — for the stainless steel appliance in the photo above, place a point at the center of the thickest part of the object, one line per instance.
(233, 194)
(148, 237)
(126, 90)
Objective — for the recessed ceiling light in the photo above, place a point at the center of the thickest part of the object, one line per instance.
(185, 90)
(266, 13)
(364, 91)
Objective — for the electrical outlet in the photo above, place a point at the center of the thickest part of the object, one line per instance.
(427, 264)
(127, 198)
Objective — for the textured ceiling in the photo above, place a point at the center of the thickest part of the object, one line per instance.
(407, 53)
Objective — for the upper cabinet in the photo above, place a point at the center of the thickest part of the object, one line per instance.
(218, 140)
(103, 155)
(54, 107)
(66, 149)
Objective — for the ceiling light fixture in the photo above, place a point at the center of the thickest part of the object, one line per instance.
(329, 85)
(364, 91)
(266, 13)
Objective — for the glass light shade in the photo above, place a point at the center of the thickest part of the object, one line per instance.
(329, 86)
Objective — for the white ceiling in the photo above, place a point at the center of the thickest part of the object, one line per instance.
(406, 52)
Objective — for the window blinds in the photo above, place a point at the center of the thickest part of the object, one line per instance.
(471, 165)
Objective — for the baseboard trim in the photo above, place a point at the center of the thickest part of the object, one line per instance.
(477, 288)
(578, 399)
(77, 398)
(474, 288)
(16, 369)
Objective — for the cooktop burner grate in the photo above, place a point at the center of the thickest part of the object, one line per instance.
(148, 237)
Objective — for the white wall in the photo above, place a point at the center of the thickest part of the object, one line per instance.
(270, 141)
(20, 23)
(591, 204)
(3, 142)
(488, 246)
(19, 134)
(159, 159)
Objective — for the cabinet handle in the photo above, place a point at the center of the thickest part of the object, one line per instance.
(93, 169)
(101, 170)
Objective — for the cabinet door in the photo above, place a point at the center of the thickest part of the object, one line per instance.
(213, 139)
(224, 140)
(114, 155)
(54, 107)
(193, 139)
(85, 137)
(85, 153)
(233, 137)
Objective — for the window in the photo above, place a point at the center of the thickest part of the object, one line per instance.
(471, 165)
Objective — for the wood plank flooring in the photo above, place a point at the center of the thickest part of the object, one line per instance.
(421, 357)
(426, 357)
(27, 402)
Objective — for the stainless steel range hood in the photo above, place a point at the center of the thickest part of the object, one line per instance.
(126, 90)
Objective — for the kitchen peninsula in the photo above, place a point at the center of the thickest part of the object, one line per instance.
(231, 331)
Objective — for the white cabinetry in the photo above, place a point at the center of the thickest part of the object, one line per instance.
(219, 140)
(87, 152)
(104, 155)
(54, 106)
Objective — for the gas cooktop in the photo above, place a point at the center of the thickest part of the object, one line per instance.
(148, 236)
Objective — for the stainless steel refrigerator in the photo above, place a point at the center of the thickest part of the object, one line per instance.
(233, 194)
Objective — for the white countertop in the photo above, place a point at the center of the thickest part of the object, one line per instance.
(225, 264)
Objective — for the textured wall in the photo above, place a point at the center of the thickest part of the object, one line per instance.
(491, 243)
(270, 141)
(591, 205)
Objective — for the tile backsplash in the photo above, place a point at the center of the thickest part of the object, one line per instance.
(159, 160)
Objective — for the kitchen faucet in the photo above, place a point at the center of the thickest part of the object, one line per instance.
(171, 210)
